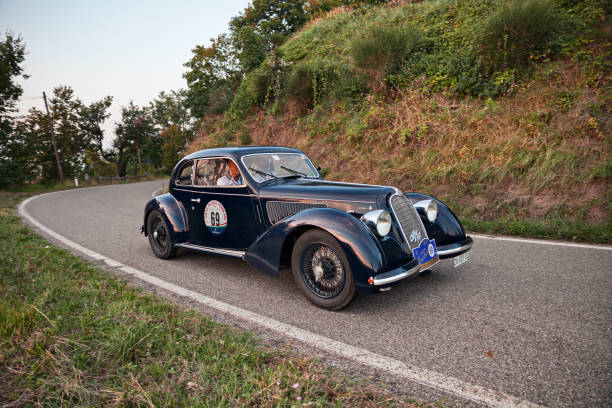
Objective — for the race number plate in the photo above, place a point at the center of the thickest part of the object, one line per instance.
(458, 260)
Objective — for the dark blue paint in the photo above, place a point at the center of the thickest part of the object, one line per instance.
(362, 249)
(268, 247)
(174, 214)
(446, 228)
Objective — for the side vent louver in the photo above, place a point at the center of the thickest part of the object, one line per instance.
(279, 210)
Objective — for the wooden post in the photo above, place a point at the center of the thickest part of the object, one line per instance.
(59, 166)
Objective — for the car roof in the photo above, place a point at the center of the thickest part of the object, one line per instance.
(238, 152)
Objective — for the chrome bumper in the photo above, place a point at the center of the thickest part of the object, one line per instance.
(397, 274)
(452, 250)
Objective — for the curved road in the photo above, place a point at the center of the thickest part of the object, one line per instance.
(527, 319)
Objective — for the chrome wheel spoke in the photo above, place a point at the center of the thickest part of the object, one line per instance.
(322, 270)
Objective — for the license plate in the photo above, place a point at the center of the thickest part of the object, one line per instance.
(458, 260)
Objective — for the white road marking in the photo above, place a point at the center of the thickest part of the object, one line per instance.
(541, 242)
(432, 379)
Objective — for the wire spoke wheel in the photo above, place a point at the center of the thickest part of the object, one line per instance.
(322, 270)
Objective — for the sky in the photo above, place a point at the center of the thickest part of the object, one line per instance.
(130, 49)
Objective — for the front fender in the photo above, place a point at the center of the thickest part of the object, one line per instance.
(173, 213)
(446, 228)
(359, 244)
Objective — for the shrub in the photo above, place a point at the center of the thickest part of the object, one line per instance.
(309, 82)
(219, 99)
(517, 31)
(383, 48)
(245, 137)
(251, 92)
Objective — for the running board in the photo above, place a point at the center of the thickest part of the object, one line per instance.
(209, 250)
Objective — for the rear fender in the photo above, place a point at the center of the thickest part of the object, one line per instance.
(362, 249)
(174, 214)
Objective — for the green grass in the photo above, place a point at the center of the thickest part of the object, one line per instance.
(561, 229)
(73, 335)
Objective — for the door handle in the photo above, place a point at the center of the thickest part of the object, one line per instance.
(195, 200)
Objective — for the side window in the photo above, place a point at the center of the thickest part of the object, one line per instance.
(208, 171)
(217, 172)
(184, 175)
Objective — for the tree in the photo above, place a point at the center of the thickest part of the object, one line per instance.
(12, 55)
(91, 119)
(275, 19)
(209, 68)
(173, 143)
(251, 48)
(171, 108)
(72, 141)
(173, 120)
(137, 140)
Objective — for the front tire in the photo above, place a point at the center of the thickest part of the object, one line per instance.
(159, 236)
(322, 271)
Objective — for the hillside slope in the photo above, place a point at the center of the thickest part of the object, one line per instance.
(523, 150)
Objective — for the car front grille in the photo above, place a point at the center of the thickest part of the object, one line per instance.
(279, 210)
(409, 220)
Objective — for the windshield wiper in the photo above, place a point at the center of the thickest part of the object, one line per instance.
(295, 172)
(263, 173)
(291, 176)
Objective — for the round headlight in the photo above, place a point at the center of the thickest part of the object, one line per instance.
(383, 224)
(432, 211)
(378, 220)
(428, 207)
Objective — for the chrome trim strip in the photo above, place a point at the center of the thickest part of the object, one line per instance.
(228, 252)
(215, 192)
(455, 250)
(397, 193)
(313, 199)
(395, 278)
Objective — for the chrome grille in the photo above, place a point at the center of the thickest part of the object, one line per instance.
(279, 210)
(409, 220)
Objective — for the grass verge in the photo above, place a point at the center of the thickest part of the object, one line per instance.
(576, 231)
(71, 334)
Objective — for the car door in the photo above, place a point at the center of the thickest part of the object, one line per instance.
(221, 216)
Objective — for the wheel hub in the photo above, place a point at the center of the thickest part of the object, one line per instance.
(318, 271)
(155, 235)
(322, 270)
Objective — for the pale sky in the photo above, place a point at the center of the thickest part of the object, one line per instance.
(128, 49)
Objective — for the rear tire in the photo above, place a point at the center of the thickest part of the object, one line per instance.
(159, 236)
(322, 271)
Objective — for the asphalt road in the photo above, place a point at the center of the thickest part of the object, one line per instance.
(530, 320)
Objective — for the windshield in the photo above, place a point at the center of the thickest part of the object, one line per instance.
(268, 166)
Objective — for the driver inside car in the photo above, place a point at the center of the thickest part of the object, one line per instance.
(232, 177)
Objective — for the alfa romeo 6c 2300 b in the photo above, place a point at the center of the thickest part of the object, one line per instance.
(270, 207)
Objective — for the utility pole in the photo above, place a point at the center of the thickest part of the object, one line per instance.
(59, 166)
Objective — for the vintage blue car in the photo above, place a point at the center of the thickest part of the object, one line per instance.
(270, 207)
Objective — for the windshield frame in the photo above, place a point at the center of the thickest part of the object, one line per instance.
(307, 159)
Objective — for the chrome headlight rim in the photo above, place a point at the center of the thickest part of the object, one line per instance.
(379, 221)
(430, 207)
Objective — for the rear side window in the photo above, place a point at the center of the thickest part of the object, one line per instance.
(184, 175)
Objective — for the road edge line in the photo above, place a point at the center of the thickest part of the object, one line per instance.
(541, 242)
(424, 377)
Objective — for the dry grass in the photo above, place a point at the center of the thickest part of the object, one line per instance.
(544, 146)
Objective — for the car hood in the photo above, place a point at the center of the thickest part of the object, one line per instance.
(329, 192)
